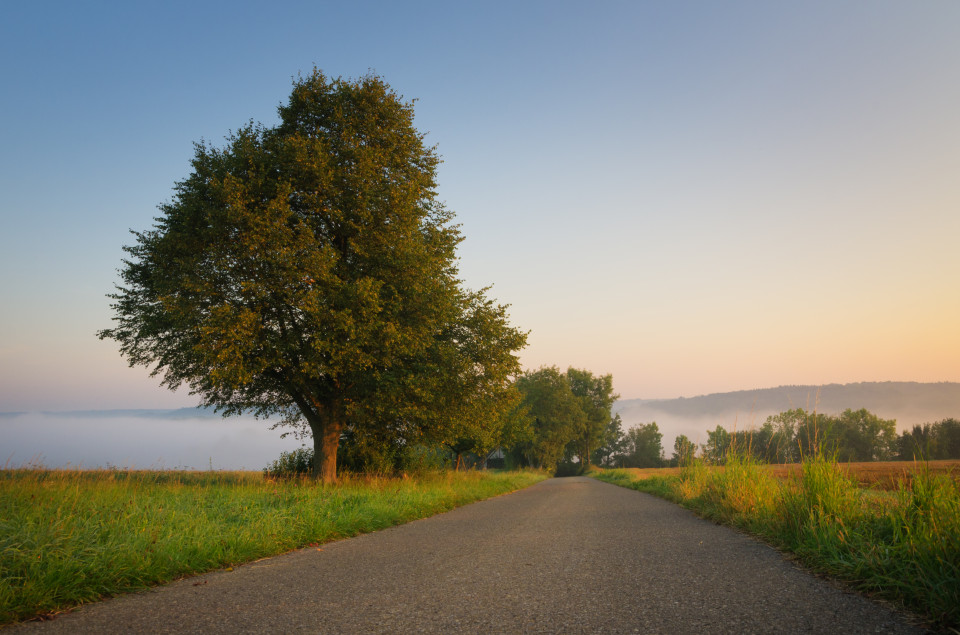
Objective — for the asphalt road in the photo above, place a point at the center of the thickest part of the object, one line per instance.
(570, 555)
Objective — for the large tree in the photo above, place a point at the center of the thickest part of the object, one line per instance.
(863, 436)
(308, 270)
(596, 398)
(554, 412)
(643, 446)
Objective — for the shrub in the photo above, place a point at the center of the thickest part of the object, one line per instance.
(299, 461)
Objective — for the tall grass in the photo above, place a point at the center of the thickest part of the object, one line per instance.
(903, 546)
(69, 537)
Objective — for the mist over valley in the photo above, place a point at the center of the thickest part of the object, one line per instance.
(909, 403)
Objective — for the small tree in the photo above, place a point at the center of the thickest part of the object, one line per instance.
(643, 446)
(783, 446)
(308, 271)
(684, 450)
(611, 447)
(717, 446)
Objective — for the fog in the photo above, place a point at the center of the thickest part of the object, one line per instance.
(82, 440)
(907, 403)
(695, 428)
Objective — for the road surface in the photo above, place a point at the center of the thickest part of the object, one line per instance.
(570, 555)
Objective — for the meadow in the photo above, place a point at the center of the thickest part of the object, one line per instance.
(892, 530)
(69, 537)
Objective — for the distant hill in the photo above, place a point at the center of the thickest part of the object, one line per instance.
(907, 402)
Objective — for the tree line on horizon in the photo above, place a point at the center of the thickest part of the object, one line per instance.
(788, 437)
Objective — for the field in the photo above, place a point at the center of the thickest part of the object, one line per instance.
(70, 537)
(879, 475)
(890, 529)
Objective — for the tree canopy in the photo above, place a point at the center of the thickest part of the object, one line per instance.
(596, 397)
(643, 446)
(569, 415)
(933, 441)
(787, 437)
(307, 270)
(554, 414)
(684, 451)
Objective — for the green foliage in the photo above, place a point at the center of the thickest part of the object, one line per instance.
(931, 441)
(554, 412)
(717, 445)
(596, 398)
(611, 447)
(684, 451)
(488, 424)
(294, 463)
(825, 497)
(420, 459)
(925, 529)
(853, 436)
(642, 447)
(308, 271)
(68, 538)
(364, 456)
(866, 437)
(563, 417)
(780, 431)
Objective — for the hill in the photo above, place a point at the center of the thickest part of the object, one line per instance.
(909, 403)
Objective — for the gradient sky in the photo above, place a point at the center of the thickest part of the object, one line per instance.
(694, 196)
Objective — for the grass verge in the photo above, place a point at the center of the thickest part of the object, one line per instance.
(902, 545)
(71, 537)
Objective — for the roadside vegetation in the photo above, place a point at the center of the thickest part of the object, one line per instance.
(897, 537)
(72, 537)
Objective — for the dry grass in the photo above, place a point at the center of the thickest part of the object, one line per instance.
(879, 475)
(647, 472)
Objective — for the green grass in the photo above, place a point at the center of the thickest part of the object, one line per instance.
(70, 537)
(903, 545)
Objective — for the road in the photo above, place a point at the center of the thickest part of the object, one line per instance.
(570, 555)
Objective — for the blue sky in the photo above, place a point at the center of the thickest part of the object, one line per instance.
(694, 196)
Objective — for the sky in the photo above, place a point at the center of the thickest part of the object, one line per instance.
(696, 197)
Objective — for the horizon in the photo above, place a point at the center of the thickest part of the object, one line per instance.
(196, 439)
(213, 414)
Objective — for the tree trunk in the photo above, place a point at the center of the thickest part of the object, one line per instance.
(326, 424)
(325, 443)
